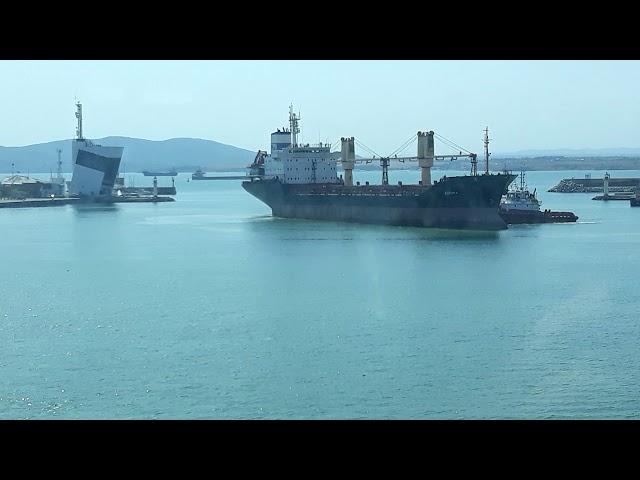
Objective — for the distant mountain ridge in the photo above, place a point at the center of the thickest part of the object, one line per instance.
(571, 152)
(188, 154)
(185, 154)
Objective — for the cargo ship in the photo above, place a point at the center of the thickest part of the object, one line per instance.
(520, 205)
(170, 173)
(301, 181)
(200, 175)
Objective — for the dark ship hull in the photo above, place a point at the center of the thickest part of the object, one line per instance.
(468, 202)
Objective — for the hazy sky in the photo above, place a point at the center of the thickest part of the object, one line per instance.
(526, 104)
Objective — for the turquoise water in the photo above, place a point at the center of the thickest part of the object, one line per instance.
(210, 308)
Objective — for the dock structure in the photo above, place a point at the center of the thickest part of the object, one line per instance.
(596, 185)
(94, 180)
(58, 202)
(615, 196)
(21, 186)
(38, 202)
(605, 188)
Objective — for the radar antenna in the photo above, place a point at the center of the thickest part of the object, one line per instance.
(293, 123)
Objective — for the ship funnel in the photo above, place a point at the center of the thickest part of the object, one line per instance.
(348, 159)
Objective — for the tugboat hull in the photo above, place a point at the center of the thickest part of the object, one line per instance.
(514, 217)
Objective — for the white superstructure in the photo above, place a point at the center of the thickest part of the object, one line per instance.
(291, 162)
(95, 167)
(309, 164)
(520, 199)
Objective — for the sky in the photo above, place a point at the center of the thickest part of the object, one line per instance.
(525, 104)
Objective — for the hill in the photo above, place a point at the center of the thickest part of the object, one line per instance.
(185, 154)
(569, 152)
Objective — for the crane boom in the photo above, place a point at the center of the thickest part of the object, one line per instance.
(425, 158)
(414, 159)
(384, 161)
(409, 159)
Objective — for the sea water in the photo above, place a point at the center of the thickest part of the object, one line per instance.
(211, 308)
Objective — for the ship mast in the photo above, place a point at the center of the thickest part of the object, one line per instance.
(293, 123)
(79, 117)
(384, 163)
(59, 150)
(486, 150)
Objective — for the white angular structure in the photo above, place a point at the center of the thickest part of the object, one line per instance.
(95, 167)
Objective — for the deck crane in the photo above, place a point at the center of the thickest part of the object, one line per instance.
(425, 158)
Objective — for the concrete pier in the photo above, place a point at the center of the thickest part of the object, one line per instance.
(57, 202)
(615, 196)
(38, 202)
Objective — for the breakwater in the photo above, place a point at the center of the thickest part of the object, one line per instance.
(596, 185)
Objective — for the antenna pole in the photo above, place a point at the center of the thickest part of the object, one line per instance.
(79, 117)
(293, 122)
(384, 162)
(486, 150)
(59, 150)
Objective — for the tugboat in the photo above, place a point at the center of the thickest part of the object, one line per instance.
(635, 202)
(198, 175)
(519, 205)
